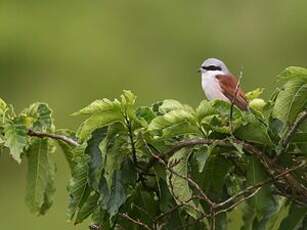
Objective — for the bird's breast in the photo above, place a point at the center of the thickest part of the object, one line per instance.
(211, 86)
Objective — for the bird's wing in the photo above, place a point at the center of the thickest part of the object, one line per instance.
(230, 88)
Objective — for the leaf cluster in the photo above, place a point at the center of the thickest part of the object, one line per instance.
(171, 166)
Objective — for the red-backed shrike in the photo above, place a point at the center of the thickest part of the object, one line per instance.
(218, 83)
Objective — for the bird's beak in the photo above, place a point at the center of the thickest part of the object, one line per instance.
(198, 71)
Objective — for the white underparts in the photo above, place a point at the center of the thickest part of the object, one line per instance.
(211, 85)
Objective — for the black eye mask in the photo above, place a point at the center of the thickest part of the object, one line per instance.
(212, 67)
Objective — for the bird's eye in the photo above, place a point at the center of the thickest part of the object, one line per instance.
(212, 67)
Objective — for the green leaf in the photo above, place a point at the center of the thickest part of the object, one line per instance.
(117, 194)
(88, 208)
(117, 149)
(293, 72)
(295, 218)
(291, 100)
(67, 149)
(169, 119)
(201, 155)
(253, 131)
(263, 203)
(146, 114)
(128, 98)
(100, 106)
(122, 179)
(171, 105)
(97, 121)
(50, 189)
(281, 212)
(78, 187)
(217, 117)
(204, 109)
(15, 134)
(299, 137)
(176, 122)
(216, 167)
(39, 117)
(178, 186)
(3, 107)
(248, 217)
(40, 176)
(254, 94)
(95, 156)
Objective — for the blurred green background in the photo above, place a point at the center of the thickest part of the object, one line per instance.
(68, 53)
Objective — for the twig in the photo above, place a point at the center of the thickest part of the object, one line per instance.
(95, 227)
(300, 119)
(233, 100)
(270, 166)
(259, 185)
(213, 216)
(63, 138)
(187, 178)
(239, 201)
(130, 132)
(136, 222)
(173, 209)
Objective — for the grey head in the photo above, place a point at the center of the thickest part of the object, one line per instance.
(213, 64)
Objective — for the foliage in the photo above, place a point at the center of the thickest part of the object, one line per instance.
(170, 166)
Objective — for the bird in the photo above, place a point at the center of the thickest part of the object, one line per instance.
(219, 83)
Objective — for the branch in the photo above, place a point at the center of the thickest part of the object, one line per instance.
(270, 166)
(130, 132)
(95, 227)
(292, 130)
(187, 178)
(257, 187)
(57, 137)
(267, 162)
(136, 222)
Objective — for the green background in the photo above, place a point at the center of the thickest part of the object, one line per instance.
(68, 53)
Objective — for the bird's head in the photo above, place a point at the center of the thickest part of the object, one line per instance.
(213, 64)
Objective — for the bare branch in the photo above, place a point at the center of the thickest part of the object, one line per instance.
(136, 222)
(57, 137)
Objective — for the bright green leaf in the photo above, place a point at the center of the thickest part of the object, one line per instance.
(169, 119)
(98, 121)
(254, 94)
(15, 134)
(39, 117)
(128, 98)
(100, 106)
(291, 100)
(293, 72)
(171, 105)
